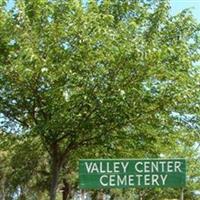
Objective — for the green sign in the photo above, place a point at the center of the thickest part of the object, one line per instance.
(123, 173)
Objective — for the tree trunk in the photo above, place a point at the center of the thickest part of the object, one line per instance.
(54, 181)
(55, 170)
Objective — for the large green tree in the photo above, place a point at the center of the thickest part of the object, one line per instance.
(82, 74)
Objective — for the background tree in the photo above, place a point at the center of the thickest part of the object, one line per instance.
(79, 75)
(24, 168)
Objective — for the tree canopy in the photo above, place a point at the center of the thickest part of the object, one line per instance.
(97, 75)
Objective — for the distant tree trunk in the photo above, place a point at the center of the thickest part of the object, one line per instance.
(22, 194)
(112, 197)
(2, 195)
(66, 190)
(82, 194)
(22, 197)
(141, 195)
(2, 189)
(100, 195)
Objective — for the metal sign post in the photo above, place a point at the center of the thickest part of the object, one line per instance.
(82, 196)
(182, 194)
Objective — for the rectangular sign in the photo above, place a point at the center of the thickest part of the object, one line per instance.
(124, 173)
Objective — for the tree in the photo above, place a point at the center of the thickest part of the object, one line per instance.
(29, 172)
(24, 170)
(5, 156)
(83, 75)
(3, 172)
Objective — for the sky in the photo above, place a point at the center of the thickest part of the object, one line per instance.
(176, 6)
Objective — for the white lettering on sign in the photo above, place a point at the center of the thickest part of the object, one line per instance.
(116, 167)
(147, 167)
(163, 178)
(103, 180)
(125, 165)
(170, 166)
(158, 166)
(101, 168)
(108, 170)
(122, 181)
(155, 178)
(138, 168)
(177, 166)
(162, 163)
(154, 167)
(94, 167)
(88, 167)
(139, 176)
(112, 180)
(147, 179)
(131, 180)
